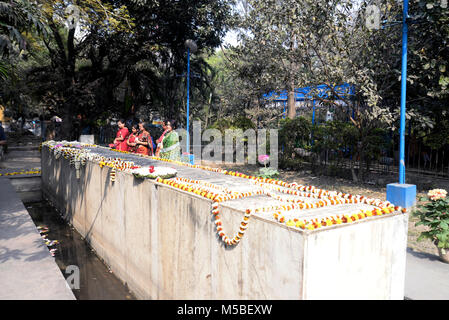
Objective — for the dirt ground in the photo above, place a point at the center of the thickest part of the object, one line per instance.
(348, 186)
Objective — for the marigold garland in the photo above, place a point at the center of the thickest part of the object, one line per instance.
(20, 172)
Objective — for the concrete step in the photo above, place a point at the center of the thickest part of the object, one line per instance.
(25, 184)
(30, 196)
(18, 165)
(23, 159)
(27, 187)
(22, 154)
(23, 148)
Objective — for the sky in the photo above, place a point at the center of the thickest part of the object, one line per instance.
(231, 38)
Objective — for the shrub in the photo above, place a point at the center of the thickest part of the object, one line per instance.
(434, 214)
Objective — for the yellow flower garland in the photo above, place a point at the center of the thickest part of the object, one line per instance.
(21, 172)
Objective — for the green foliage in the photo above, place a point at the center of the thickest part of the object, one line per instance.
(3, 71)
(268, 173)
(241, 122)
(434, 214)
(428, 72)
(439, 136)
(160, 37)
(126, 63)
(17, 17)
(221, 125)
(346, 141)
(291, 164)
(294, 133)
(236, 88)
(375, 142)
(131, 58)
(335, 135)
(428, 50)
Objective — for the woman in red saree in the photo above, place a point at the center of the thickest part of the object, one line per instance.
(122, 136)
(144, 143)
(131, 142)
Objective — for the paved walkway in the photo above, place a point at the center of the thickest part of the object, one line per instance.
(27, 269)
(426, 277)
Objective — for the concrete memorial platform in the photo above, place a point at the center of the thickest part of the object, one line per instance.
(215, 234)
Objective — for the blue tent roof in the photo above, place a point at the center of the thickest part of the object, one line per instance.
(306, 93)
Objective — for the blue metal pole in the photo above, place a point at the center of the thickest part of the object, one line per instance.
(403, 94)
(313, 112)
(313, 118)
(285, 102)
(188, 94)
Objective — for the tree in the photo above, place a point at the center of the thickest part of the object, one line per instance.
(72, 88)
(119, 60)
(275, 43)
(428, 80)
(164, 55)
(16, 17)
(235, 89)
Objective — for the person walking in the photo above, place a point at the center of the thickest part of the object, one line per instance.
(3, 141)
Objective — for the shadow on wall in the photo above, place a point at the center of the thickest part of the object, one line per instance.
(75, 189)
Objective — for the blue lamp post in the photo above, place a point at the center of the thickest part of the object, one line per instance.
(191, 47)
(403, 94)
(402, 194)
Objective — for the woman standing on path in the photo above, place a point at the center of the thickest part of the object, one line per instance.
(168, 143)
(131, 142)
(122, 136)
(144, 143)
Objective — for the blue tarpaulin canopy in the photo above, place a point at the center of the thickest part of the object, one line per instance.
(312, 92)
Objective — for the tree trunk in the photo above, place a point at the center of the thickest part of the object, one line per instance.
(291, 113)
(67, 123)
(361, 156)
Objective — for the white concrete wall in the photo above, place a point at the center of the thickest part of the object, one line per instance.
(162, 242)
(359, 261)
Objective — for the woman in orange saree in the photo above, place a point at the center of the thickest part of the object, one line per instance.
(144, 143)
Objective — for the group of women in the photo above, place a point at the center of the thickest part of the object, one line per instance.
(140, 141)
